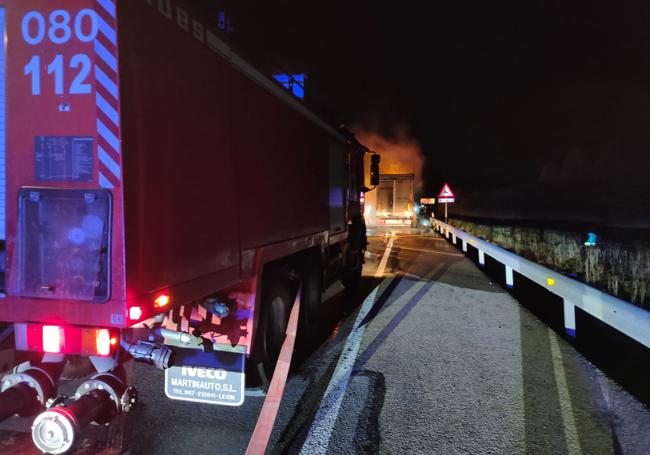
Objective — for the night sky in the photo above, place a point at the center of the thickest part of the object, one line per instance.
(529, 109)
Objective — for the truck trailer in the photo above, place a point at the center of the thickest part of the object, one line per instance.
(392, 202)
(165, 201)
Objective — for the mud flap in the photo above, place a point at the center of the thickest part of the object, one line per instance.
(206, 377)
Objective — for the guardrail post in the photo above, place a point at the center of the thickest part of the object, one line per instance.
(464, 245)
(453, 238)
(569, 318)
(622, 316)
(509, 277)
(447, 233)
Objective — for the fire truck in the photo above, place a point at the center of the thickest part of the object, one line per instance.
(164, 201)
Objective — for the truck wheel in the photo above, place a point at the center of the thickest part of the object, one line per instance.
(351, 280)
(311, 309)
(351, 277)
(276, 303)
(358, 241)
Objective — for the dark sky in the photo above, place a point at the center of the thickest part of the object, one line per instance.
(528, 108)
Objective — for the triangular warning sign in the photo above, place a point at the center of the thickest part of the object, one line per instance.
(446, 191)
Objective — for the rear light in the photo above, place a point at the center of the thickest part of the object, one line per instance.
(103, 342)
(52, 339)
(55, 339)
(162, 301)
(135, 313)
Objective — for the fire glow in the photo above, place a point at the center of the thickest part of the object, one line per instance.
(399, 155)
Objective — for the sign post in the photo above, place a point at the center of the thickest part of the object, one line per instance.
(446, 196)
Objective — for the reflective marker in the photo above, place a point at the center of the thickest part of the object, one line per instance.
(591, 239)
(162, 301)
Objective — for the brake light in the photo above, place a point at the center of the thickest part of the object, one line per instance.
(161, 301)
(135, 313)
(52, 339)
(57, 339)
(103, 340)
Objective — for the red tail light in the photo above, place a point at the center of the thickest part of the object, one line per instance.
(103, 341)
(57, 339)
(52, 339)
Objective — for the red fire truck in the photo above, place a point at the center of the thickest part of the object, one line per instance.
(165, 201)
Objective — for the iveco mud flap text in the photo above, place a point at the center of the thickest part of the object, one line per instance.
(216, 384)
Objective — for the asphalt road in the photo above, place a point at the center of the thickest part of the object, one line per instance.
(430, 358)
(448, 363)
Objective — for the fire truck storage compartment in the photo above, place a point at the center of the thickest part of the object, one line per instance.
(63, 243)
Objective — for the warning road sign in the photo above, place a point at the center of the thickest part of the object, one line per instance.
(446, 195)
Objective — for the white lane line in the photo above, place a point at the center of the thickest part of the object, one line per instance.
(320, 431)
(570, 429)
(430, 251)
(384, 259)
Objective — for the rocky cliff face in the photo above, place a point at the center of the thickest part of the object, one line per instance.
(619, 269)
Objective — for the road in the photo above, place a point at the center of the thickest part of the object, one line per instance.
(447, 363)
(430, 358)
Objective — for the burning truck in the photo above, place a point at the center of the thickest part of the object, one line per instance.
(135, 144)
(392, 201)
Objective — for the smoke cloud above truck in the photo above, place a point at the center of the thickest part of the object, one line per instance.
(400, 152)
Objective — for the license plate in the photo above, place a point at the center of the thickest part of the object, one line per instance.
(214, 377)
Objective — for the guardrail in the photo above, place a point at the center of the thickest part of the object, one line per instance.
(619, 314)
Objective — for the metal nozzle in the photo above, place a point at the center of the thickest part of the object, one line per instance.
(155, 354)
(25, 393)
(99, 400)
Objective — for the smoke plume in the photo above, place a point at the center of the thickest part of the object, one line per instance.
(400, 153)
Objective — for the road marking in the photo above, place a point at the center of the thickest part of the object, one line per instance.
(410, 275)
(430, 251)
(570, 430)
(384, 259)
(321, 430)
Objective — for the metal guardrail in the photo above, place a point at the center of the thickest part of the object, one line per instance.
(619, 314)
